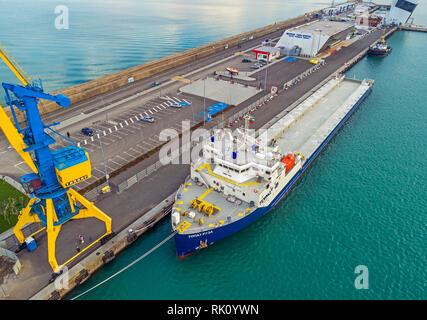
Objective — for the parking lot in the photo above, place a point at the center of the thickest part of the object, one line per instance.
(112, 135)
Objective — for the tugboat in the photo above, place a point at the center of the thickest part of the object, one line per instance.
(379, 49)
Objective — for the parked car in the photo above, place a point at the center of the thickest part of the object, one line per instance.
(246, 60)
(176, 105)
(262, 61)
(156, 83)
(255, 66)
(87, 132)
(147, 118)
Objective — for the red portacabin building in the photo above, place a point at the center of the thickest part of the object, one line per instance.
(266, 53)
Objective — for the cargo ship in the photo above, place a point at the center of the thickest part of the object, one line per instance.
(243, 175)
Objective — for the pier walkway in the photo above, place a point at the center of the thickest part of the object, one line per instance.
(413, 27)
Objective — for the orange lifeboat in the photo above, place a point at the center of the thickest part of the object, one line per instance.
(289, 161)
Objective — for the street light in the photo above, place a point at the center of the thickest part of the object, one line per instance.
(318, 45)
(107, 177)
(266, 70)
(192, 109)
(142, 141)
(204, 102)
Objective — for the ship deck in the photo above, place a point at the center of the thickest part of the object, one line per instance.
(229, 211)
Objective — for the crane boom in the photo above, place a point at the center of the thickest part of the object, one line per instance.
(9, 130)
(14, 66)
(15, 139)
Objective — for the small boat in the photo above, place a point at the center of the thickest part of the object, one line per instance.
(379, 49)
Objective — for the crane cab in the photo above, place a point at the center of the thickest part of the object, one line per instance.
(30, 182)
(72, 165)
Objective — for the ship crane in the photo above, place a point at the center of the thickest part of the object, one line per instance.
(53, 201)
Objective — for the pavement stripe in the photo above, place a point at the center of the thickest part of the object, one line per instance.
(120, 157)
(95, 168)
(133, 157)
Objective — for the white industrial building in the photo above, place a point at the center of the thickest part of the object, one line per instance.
(401, 11)
(311, 38)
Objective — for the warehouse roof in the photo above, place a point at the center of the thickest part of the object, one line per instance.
(266, 49)
(326, 27)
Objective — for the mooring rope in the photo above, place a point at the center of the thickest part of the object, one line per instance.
(129, 265)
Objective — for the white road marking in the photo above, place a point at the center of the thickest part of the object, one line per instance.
(115, 162)
(133, 157)
(140, 147)
(134, 150)
(94, 168)
(127, 129)
(118, 156)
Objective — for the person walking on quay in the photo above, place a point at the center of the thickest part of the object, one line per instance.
(80, 238)
(77, 246)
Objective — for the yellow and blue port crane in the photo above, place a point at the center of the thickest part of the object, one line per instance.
(53, 201)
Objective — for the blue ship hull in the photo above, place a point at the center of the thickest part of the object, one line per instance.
(187, 244)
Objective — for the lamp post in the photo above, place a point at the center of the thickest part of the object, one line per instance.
(192, 109)
(107, 177)
(142, 141)
(266, 70)
(204, 102)
(318, 45)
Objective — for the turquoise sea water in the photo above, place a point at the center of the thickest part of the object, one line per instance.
(362, 202)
